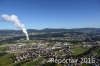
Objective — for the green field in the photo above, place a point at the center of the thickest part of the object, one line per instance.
(5, 60)
(79, 50)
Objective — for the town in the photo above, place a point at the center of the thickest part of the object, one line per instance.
(40, 48)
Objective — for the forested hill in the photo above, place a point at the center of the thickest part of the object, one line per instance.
(87, 30)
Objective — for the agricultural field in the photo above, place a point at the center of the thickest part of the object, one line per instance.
(79, 50)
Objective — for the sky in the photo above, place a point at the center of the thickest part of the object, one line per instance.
(40, 14)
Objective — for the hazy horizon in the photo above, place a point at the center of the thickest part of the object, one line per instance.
(54, 28)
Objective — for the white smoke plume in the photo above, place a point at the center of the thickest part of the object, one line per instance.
(14, 19)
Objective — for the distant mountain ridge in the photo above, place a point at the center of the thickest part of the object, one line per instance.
(88, 30)
(66, 30)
